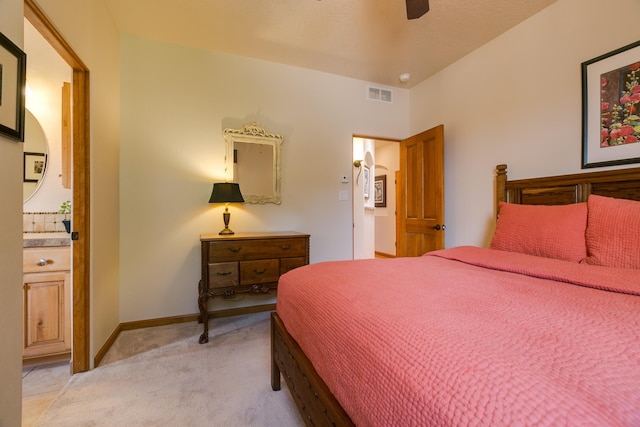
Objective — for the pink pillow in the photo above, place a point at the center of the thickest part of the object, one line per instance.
(613, 232)
(546, 231)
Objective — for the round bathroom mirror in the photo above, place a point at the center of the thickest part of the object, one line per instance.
(35, 153)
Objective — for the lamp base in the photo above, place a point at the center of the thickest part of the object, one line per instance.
(226, 231)
(226, 216)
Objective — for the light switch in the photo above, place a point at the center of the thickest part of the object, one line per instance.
(343, 195)
(345, 179)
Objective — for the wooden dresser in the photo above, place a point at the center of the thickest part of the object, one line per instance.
(246, 262)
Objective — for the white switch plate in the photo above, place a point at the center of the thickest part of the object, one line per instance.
(344, 179)
(343, 195)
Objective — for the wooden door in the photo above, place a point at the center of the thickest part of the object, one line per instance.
(421, 193)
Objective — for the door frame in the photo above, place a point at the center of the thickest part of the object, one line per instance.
(80, 336)
(353, 184)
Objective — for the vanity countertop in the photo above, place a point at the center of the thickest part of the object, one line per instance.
(31, 240)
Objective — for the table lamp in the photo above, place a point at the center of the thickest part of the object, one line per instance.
(226, 192)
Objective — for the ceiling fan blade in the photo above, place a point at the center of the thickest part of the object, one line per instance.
(417, 8)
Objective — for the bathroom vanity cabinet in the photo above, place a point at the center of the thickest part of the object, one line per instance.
(46, 285)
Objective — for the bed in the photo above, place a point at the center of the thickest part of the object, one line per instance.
(541, 328)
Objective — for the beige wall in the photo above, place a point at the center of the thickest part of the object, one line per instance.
(517, 100)
(11, 25)
(86, 26)
(176, 102)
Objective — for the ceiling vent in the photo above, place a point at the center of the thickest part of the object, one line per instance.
(379, 94)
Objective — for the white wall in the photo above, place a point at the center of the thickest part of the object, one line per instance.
(387, 163)
(11, 24)
(176, 101)
(363, 206)
(86, 26)
(46, 71)
(517, 100)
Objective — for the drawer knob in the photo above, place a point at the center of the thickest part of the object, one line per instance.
(223, 273)
(236, 249)
(44, 262)
(285, 247)
(264, 270)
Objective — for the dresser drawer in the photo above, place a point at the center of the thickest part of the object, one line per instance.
(223, 274)
(288, 264)
(36, 260)
(287, 247)
(221, 251)
(262, 271)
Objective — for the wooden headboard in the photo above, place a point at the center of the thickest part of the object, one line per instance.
(566, 189)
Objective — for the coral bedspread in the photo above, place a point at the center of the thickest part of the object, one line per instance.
(471, 336)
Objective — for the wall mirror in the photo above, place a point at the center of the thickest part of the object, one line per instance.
(253, 161)
(35, 155)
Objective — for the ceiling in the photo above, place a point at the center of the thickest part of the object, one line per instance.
(370, 40)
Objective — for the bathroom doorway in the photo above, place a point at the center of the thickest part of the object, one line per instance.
(80, 185)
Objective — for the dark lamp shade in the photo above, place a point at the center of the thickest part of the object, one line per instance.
(226, 192)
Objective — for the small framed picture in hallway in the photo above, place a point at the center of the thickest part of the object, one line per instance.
(380, 191)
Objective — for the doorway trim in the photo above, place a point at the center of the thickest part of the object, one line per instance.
(80, 361)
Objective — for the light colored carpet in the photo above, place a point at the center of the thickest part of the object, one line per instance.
(225, 382)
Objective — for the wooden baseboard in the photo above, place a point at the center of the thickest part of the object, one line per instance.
(383, 255)
(162, 321)
(46, 360)
(107, 345)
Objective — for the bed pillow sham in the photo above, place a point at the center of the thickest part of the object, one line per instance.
(613, 232)
(547, 231)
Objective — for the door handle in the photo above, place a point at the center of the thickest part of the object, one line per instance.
(439, 227)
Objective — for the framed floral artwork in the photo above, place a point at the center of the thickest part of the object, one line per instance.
(611, 108)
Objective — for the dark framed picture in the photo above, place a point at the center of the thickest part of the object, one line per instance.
(13, 71)
(611, 108)
(34, 164)
(380, 191)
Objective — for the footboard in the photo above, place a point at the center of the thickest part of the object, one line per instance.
(316, 403)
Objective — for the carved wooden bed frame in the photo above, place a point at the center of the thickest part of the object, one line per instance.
(316, 403)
